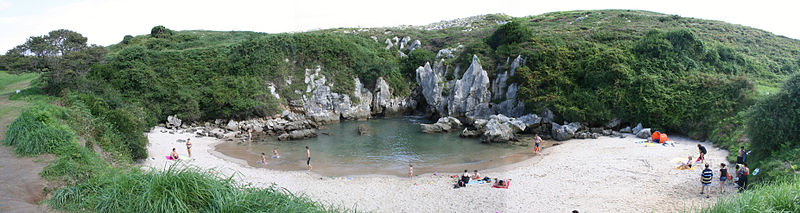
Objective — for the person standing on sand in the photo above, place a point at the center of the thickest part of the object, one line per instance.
(723, 176)
(308, 161)
(250, 135)
(538, 141)
(410, 170)
(705, 180)
(189, 146)
(703, 152)
(740, 156)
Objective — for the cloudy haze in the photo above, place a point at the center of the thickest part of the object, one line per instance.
(106, 22)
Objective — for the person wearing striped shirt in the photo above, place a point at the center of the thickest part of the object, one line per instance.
(705, 179)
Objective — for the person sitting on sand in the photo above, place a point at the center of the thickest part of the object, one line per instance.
(687, 165)
(263, 159)
(464, 179)
(173, 155)
(476, 176)
(189, 146)
(275, 153)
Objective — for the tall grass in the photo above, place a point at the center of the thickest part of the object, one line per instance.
(780, 196)
(178, 189)
(38, 130)
(7, 80)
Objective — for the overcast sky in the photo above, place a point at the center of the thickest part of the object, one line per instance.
(106, 22)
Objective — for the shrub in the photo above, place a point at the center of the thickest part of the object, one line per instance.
(782, 195)
(772, 128)
(38, 131)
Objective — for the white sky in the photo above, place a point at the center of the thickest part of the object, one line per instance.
(106, 22)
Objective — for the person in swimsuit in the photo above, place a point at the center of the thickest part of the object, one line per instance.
(174, 154)
(189, 146)
(475, 175)
(308, 161)
(275, 153)
(537, 141)
(687, 165)
(263, 159)
(410, 170)
(740, 156)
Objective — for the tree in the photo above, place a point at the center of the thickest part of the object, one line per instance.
(62, 56)
(509, 33)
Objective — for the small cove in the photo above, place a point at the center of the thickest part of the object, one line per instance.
(390, 146)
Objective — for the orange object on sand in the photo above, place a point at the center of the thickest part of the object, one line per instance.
(656, 135)
(663, 138)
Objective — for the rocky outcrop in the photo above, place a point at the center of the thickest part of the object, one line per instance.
(637, 128)
(470, 133)
(501, 129)
(322, 105)
(432, 84)
(614, 123)
(384, 104)
(444, 124)
(564, 132)
(232, 125)
(627, 129)
(470, 95)
(414, 46)
(363, 130)
(389, 43)
(173, 122)
(298, 134)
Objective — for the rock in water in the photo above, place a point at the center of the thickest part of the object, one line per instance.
(444, 124)
(363, 129)
(470, 133)
(173, 122)
(643, 133)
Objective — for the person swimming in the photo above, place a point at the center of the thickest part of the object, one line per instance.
(275, 153)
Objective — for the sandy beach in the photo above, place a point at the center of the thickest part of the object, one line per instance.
(599, 175)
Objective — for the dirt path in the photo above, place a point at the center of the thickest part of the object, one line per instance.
(20, 183)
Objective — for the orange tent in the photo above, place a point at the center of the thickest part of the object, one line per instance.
(656, 136)
(663, 138)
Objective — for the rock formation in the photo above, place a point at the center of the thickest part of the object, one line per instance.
(565, 132)
(470, 95)
(444, 124)
(384, 104)
(173, 122)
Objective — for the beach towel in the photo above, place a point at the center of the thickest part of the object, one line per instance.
(679, 168)
(648, 144)
(476, 182)
(508, 183)
(180, 157)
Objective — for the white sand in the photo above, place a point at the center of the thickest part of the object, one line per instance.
(601, 175)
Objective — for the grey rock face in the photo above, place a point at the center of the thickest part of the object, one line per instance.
(445, 53)
(324, 106)
(298, 134)
(389, 43)
(530, 120)
(432, 84)
(383, 102)
(470, 95)
(404, 42)
(547, 116)
(627, 129)
(173, 122)
(565, 132)
(643, 133)
(232, 126)
(470, 133)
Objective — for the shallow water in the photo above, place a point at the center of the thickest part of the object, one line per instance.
(391, 145)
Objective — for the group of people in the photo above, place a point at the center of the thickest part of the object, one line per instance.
(276, 156)
(707, 175)
(174, 154)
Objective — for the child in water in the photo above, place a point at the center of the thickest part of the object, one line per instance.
(263, 159)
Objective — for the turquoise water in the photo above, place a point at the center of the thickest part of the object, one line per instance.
(391, 145)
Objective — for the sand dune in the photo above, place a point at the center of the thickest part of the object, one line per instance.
(602, 175)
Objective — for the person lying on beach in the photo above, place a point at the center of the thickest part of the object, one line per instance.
(476, 176)
(263, 158)
(275, 153)
(500, 183)
(687, 165)
(174, 154)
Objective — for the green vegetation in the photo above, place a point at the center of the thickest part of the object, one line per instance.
(782, 195)
(38, 131)
(7, 80)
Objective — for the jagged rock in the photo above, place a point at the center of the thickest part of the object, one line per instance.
(232, 125)
(614, 123)
(389, 43)
(500, 128)
(480, 124)
(324, 106)
(470, 95)
(173, 122)
(643, 133)
(363, 129)
(356, 111)
(580, 135)
(595, 135)
(414, 45)
(432, 84)
(606, 132)
(383, 102)
(530, 120)
(627, 129)
(445, 53)
(404, 42)
(470, 133)
(637, 128)
(564, 132)
(401, 54)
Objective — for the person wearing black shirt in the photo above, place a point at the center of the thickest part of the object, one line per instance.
(703, 152)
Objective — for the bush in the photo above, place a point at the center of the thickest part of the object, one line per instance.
(38, 131)
(772, 128)
(178, 189)
(509, 33)
(782, 195)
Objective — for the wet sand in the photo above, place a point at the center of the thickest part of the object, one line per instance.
(601, 175)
